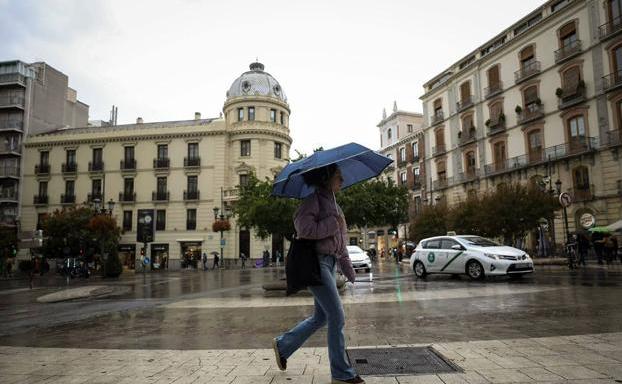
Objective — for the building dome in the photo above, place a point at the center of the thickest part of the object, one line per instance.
(256, 82)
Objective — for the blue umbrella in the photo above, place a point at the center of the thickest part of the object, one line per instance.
(356, 162)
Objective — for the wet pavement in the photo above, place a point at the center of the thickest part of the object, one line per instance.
(228, 309)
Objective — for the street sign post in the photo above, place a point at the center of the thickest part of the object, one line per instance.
(565, 200)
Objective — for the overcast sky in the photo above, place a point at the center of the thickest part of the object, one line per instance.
(339, 62)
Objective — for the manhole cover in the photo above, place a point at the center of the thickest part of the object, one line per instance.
(399, 361)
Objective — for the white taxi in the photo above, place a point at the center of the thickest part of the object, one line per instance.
(474, 256)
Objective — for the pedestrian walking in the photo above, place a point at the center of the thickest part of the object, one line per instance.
(583, 244)
(243, 258)
(609, 249)
(204, 259)
(279, 258)
(598, 244)
(216, 260)
(320, 218)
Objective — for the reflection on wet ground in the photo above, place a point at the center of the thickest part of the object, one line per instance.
(228, 309)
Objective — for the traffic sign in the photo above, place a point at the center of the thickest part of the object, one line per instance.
(222, 242)
(587, 220)
(146, 261)
(564, 199)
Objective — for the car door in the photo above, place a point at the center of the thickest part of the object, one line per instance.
(452, 256)
(432, 255)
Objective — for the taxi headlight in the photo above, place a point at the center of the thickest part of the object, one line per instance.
(491, 256)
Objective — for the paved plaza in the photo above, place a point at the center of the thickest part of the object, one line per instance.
(216, 327)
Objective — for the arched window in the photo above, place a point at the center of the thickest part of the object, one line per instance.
(439, 135)
(469, 164)
(499, 155)
(576, 133)
(389, 134)
(441, 171)
(535, 150)
(531, 99)
(568, 36)
(468, 129)
(465, 95)
(571, 80)
(581, 183)
(494, 80)
(527, 57)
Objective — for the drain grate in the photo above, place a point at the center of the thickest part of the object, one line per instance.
(399, 361)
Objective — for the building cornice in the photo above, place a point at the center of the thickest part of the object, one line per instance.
(411, 136)
(397, 114)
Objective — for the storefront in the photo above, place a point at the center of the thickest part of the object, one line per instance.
(190, 253)
(127, 255)
(159, 256)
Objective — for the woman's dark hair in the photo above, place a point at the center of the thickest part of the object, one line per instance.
(319, 177)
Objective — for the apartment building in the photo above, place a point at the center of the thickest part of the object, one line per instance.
(401, 139)
(541, 102)
(34, 98)
(181, 170)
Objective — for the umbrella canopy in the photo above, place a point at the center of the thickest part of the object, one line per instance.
(356, 162)
(599, 229)
(615, 227)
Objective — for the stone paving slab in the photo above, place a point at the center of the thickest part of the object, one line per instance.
(585, 359)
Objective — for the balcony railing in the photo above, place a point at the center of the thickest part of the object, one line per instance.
(191, 225)
(67, 199)
(438, 117)
(231, 194)
(527, 71)
(464, 103)
(128, 165)
(12, 78)
(417, 182)
(10, 149)
(127, 197)
(610, 28)
(401, 163)
(160, 195)
(8, 219)
(557, 152)
(567, 51)
(40, 199)
(612, 81)
(495, 124)
(9, 171)
(612, 138)
(493, 89)
(530, 113)
(415, 158)
(97, 166)
(8, 195)
(42, 169)
(442, 183)
(161, 163)
(69, 168)
(582, 192)
(470, 175)
(191, 195)
(439, 150)
(192, 161)
(571, 95)
(11, 125)
(468, 136)
(12, 101)
(91, 197)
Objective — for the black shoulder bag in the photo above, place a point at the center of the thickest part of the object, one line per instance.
(302, 267)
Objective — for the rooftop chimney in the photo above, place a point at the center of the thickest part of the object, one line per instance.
(197, 115)
(139, 120)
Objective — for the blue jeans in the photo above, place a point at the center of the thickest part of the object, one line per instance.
(328, 309)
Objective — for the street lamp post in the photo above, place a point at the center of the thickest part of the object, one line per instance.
(100, 210)
(558, 188)
(222, 216)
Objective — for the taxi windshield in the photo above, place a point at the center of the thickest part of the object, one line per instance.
(479, 241)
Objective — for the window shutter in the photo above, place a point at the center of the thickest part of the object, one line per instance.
(572, 77)
(465, 91)
(567, 30)
(530, 94)
(493, 76)
(437, 104)
(409, 153)
(527, 53)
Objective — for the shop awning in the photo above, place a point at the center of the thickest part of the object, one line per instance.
(189, 240)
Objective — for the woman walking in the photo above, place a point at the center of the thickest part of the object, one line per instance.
(320, 218)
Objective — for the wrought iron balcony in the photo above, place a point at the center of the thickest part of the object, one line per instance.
(439, 150)
(40, 199)
(160, 195)
(496, 124)
(417, 183)
(465, 103)
(191, 225)
(9, 196)
(571, 95)
(69, 168)
(401, 163)
(191, 195)
(97, 166)
(127, 197)
(612, 81)
(42, 169)
(613, 138)
(192, 161)
(527, 71)
(438, 117)
(442, 183)
(530, 113)
(467, 136)
(8, 101)
(470, 175)
(493, 89)
(11, 125)
(67, 199)
(582, 192)
(12, 78)
(128, 165)
(161, 163)
(610, 28)
(10, 149)
(568, 51)
(91, 197)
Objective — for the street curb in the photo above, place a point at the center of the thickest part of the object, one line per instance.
(76, 293)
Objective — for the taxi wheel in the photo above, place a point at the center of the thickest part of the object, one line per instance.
(419, 270)
(475, 270)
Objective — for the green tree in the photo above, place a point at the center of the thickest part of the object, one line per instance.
(266, 214)
(431, 221)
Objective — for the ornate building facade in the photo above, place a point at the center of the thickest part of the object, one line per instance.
(541, 102)
(182, 170)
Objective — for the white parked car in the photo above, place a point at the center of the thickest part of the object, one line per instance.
(474, 256)
(360, 259)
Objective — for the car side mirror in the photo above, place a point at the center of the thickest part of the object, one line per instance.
(457, 247)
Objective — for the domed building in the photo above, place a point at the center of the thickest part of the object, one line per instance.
(183, 174)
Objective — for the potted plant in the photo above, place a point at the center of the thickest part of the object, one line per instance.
(487, 123)
(502, 118)
(559, 92)
(221, 225)
(538, 102)
(459, 134)
(518, 109)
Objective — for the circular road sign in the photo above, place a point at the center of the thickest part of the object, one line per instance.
(147, 219)
(564, 199)
(146, 261)
(587, 220)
